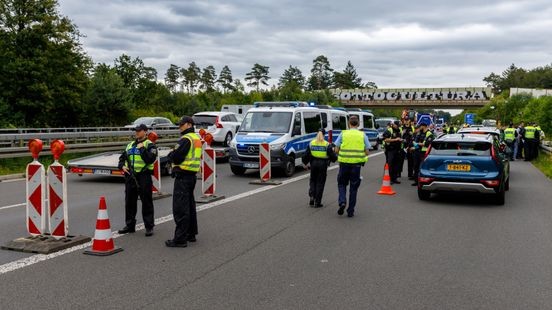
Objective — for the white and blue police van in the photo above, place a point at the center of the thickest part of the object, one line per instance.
(288, 127)
(334, 120)
(366, 124)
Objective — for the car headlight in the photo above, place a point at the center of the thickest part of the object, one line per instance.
(277, 146)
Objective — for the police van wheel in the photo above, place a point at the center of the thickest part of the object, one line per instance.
(423, 195)
(237, 170)
(289, 168)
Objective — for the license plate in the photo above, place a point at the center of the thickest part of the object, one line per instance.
(456, 167)
(102, 171)
(251, 165)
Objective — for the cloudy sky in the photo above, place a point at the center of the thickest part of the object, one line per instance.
(402, 43)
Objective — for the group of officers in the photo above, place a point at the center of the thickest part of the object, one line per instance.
(402, 141)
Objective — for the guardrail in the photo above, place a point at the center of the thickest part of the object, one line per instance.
(547, 146)
(14, 144)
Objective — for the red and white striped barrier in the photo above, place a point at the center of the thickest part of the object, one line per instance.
(330, 136)
(57, 194)
(156, 180)
(36, 211)
(208, 172)
(264, 162)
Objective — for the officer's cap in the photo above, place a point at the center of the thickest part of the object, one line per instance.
(141, 127)
(185, 120)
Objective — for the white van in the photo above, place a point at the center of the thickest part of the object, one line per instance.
(238, 109)
(334, 120)
(288, 127)
(367, 124)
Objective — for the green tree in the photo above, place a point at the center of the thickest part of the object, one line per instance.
(172, 77)
(225, 79)
(321, 74)
(257, 76)
(347, 79)
(292, 76)
(208, 78)
(43, 69)
(191, 76)
(107, 100)
(237, 86)
(133, 71)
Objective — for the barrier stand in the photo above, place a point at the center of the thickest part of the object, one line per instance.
(156, 177)
(264, 166)
(44, 243)
(209, 176)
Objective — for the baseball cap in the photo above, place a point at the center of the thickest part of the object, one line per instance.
(141, 127)
(185, 120)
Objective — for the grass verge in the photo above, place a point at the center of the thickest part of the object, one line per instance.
(544, 163)
(18, 165)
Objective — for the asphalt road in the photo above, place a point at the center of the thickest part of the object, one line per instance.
(269, 250)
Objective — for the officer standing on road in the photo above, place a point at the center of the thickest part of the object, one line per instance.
(136, 161)
(521, 141)
(186, 160)
(422, 142)
(510, 136)
(531, 142)
(352, 147)
(317, 157)
(408, 136)
(393, 142)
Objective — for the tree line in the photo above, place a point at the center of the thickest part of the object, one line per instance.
(48, 80)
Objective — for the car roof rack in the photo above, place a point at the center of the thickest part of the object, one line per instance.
(286, 104)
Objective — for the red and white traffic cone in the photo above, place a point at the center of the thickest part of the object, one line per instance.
(102, 244)
(386, 188)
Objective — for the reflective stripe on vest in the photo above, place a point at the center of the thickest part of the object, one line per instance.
(319, 149)
(192, 161)
(427, 135)
(509, 134)
(352, 150)
(135, 159)
(530, 132)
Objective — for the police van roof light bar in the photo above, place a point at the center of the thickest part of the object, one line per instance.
(293, 104)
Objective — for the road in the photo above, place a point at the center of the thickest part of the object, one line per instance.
(269, 250)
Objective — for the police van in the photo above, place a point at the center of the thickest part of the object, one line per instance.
(334, 121)
(288, 127)
(366, 124)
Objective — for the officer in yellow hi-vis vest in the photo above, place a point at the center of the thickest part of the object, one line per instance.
(510, 136)
(352, 148)
(136, 162)
(317, 157)
(186, 160)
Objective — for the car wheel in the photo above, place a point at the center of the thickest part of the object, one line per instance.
(228, 139)
(500, 197)
(289, 168)
(423, 195)
(237, 170)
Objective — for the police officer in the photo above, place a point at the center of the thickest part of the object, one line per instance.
(352, 147)
(407, 135)
(393, 142)
(531, 137)
(510, 136)
(136, 161)
(521, 141)
(186, 160)
(422, 142)
(317, 157)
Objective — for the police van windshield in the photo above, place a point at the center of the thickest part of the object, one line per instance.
(273, 122)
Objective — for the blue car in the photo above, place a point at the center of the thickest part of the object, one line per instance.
(465, 163)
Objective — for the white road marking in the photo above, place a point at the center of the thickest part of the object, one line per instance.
(13, 206)
(31, 260)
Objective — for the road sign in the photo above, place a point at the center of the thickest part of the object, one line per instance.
(469, 118)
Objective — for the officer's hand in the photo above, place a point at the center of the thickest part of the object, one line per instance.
(125, 169)
(140, 145)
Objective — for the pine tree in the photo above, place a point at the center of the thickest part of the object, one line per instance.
(257, 76)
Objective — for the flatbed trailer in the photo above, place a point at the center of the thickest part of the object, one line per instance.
(107, 163)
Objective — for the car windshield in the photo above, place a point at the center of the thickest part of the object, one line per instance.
(204, 119)
(383, 122)
(274, 122)
(144, 120)
(461, 148)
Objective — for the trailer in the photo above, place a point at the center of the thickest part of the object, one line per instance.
(107, 163)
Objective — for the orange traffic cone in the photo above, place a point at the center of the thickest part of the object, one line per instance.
(102, 244)
(386, 188)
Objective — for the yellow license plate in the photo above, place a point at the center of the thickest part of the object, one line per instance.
(455, 167)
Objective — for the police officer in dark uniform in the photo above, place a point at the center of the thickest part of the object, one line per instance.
(186, 161)
(408, 135)
(393, 142)
(136, 161)
(317, 157)
(420, 144)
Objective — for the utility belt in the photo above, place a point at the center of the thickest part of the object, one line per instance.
(181, 174)
(143, 172)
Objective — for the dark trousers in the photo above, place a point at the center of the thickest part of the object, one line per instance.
(132, 191)
(184, 207)
(510, 145)
(393, 160)
(319, 170)
(530, 149)
(410, 163)
(417, 158)
(400, 164)
(521, 149)
(348, 175)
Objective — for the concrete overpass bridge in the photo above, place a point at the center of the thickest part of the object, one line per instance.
(443, 98)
